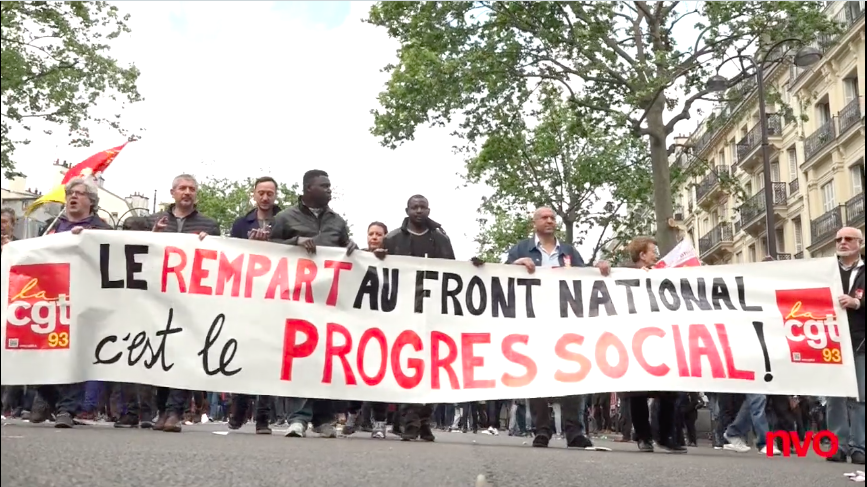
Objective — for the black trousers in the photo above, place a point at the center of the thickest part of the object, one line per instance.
(624, 425)
(136, 399)
(641, 416)
(416, 413)
(494, 408)
(241, 404)
(571, 409)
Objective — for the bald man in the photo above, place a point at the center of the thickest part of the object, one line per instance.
(846, 415)
(544, 250)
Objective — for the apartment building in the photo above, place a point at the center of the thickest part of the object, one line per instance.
(817, 166)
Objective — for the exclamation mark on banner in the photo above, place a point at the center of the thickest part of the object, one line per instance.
(760, 332)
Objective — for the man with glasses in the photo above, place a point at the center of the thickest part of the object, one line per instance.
(845, 414)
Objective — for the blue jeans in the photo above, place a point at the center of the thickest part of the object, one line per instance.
(92, 392)
(845, 415)
(752, 413)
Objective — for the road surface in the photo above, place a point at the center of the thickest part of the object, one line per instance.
(101, 456)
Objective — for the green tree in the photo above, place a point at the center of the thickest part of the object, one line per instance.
(225, 200)
(56, 66)
(564, 161)
(466, 61)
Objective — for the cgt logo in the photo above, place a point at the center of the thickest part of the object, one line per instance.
(37, 315)
(788, 438)
(811, 325)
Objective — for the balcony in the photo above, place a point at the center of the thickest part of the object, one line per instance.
(823, 228)
(717, 242)
(799, 255)
(794, 187)
(849, 116)
(818, 140)
(784, 256)
(753, 210)
(710, 186)
(678, 213)
(749, 148)
(855, 211)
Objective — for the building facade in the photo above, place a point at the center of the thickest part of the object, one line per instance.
(817, 164)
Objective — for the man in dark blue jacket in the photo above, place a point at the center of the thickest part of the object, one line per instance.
(255, 225)
(544, 250)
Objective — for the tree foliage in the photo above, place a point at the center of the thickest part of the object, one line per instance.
(226, 200)
(56, 66)
(472, 61)
(563, 161)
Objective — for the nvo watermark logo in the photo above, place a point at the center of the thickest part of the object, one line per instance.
(816, 440)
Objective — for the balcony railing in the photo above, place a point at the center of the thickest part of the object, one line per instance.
(710, 182)
(799, 254)
(678, 213)
(849, 115)
(819, 139)
(848, 16)
(720, 234)
(755, 205)
(855, 210)
(753, 138)
(794, 187)
(784, 256)
(825, 226)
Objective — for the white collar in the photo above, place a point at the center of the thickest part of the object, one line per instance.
(556, 243)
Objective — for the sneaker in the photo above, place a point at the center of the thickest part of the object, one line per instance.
(774, 451)
(262, 428)
(325, 431)
(160, 422)
(378, 430)
(541, 440)
(580, 441)
(838, 457)
(235, 423)
(673, 448)
(63, 421)
(858, 458)
(736, 444)
(127, 421)
(296, 430)
(645, 446)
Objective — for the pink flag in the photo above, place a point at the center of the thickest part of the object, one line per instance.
(683, 255)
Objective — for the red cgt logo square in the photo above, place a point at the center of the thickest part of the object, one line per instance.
(37, 314)
(811, 325)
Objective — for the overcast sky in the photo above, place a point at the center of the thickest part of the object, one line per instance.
(248, 89)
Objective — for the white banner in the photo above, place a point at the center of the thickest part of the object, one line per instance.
(254, 317)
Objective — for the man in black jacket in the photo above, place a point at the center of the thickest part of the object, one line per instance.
(255, 225)
(309, 224)
(846, 415)
(418, 236)
(180, 217)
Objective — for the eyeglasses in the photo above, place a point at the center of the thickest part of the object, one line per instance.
(76, 193)
(846, 239)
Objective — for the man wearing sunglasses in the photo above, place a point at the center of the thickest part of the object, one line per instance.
(846, 415)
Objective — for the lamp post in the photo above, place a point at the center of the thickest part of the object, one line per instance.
(806, 56)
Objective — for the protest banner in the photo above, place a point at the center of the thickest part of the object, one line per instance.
(261, 318)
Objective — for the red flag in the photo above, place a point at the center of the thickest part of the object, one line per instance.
(93, 165)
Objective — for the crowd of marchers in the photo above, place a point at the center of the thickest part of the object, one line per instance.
(652, 420)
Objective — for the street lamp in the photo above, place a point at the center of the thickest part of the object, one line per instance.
(806, 56)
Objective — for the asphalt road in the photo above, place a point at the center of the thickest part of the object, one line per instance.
(101, 456)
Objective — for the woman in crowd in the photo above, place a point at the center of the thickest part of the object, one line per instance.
(376, 233)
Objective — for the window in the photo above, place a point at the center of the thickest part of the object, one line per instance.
(775, 172)
(764, 247)
(823, 113)
(733, 150)
(856, 175)
(829, 198)
(751, 253)
(781, 240)
(739, 258)
(705, 226)
(793, 163)
(799, 235)
(850, 88)
(721, 157)
(760, 181)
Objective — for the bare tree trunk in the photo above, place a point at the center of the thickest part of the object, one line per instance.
(570, 231)
(666, 237)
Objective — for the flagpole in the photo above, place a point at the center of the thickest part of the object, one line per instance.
(54, 222)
